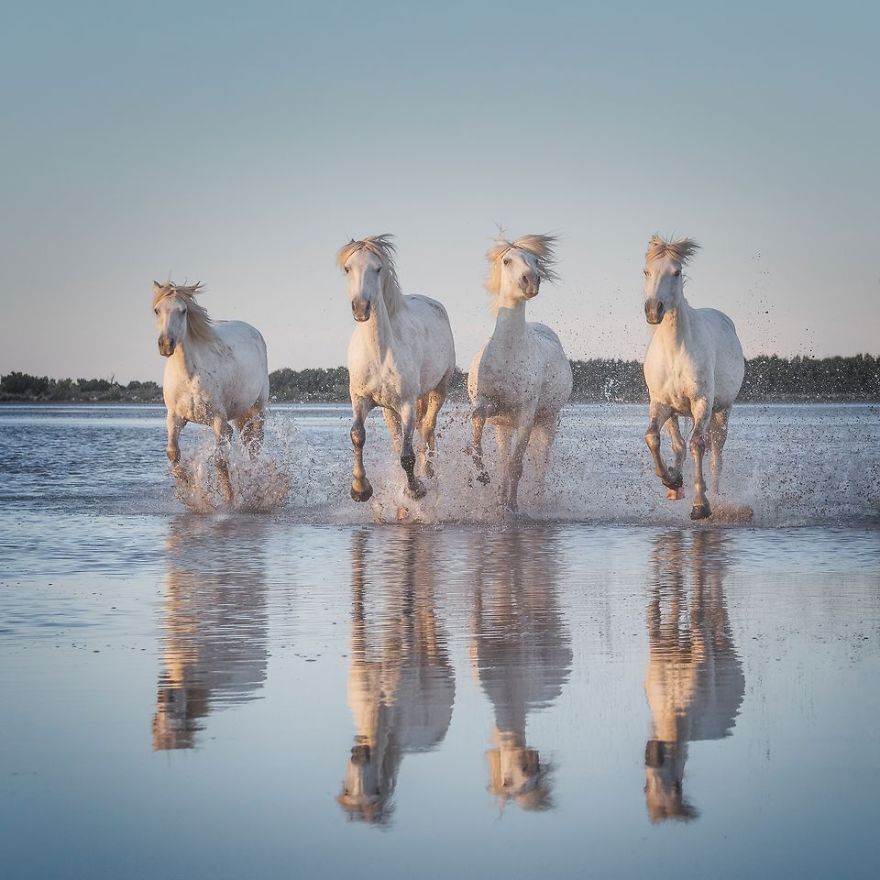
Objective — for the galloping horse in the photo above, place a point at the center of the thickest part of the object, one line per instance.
(693, 367)
(401, 357)
(216, 372)
(521, 378)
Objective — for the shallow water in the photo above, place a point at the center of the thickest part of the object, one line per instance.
(604, 690)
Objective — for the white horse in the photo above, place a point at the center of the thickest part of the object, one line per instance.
(216, 372)
(693, 367)
(521, 378)
(401, 357)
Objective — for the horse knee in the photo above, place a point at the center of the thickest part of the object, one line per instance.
(652, 439)
(698, 444)
(408, 461)
(358, 436)
(173, 454)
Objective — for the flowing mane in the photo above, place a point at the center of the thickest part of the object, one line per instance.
(382, 247)
(680, 249)
(198, 323)
(541, 247)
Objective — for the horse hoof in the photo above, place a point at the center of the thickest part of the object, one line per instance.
(364, 495)
(674, 494)
(700, 511)
(417, 490)
(675, 482)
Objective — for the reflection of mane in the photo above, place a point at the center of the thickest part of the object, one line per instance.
(401, 686)
(214, 640)
(694, 681)
(520, 652)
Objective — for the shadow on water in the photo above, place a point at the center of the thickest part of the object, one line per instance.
(694, 681)
(401, 684)
(520, 651)
(214, 627)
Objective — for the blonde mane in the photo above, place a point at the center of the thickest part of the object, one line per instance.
(382, 247)
(198, 323)
(680, 249)
(541, 247)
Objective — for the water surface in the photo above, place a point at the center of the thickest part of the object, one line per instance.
(321, 691)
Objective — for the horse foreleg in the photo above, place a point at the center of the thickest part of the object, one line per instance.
(478, 423)
(717, 437)
(678, 449)
(175, 426)
(415, 487)
(543, 435)
(361, 490)
(701, 411)
(521, 437)
(223, 433)
(658, 415)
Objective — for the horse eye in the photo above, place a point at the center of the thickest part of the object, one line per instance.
(378, 269)
(507, 261)
(645, 272)
(677, 272)
(345, 269)
(156, 312)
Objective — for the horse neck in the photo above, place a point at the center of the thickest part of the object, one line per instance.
(378, 332)
(510, 323)
(191, 353)
(677, 325)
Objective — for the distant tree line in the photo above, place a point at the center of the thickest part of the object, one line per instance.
(768, 378)
(22, 387)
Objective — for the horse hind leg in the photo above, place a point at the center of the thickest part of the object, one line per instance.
(717, 438)
(427, 410)
(223, 432)
(251, 427)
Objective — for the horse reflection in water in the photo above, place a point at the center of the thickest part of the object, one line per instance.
(520, 651)
(401, 685)
(694, 681)
(215, 625)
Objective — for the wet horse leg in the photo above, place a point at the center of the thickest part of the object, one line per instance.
(361, 490)
(430, 406)
(658, 415)
(702, 412)
(175, 426)
(223, 433)
(543, 435)
(251, 427)
(478, 423)
(717, 437)
(521, 436)
(503, 435)
(415, 487)
(678, 448)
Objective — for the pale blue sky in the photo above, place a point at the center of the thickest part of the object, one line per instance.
(242, 144)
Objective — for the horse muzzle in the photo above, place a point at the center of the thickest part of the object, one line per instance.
(654, 311)
(166, 346)
(361, 311)
(530, 285)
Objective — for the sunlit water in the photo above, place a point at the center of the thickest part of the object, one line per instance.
(319, 691)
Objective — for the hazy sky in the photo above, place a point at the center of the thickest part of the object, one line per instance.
(242, 144)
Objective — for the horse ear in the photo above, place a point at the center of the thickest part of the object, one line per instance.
(156, 286)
